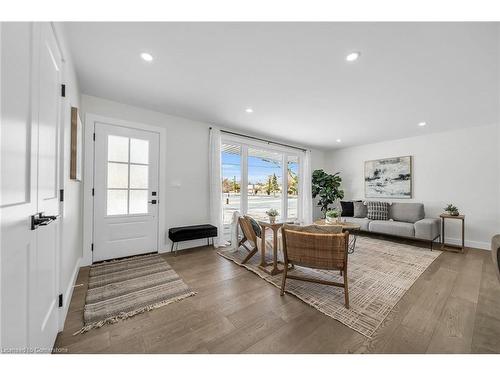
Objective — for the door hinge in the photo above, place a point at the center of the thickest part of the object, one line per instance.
(92, 247)
(63, 91)
(94, 137)
(61, 195)
(93, 191)
(60, 300)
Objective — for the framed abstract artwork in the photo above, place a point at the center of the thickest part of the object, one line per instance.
(389, 178)
(75, 172)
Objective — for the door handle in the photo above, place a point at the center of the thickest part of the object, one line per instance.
(40, 219)
(48, 217)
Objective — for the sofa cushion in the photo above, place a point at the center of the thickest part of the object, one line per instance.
(407, 212)
(361, 221)
(395, 228)
(377, 210)
(347, 208)
(360, 210)
(427, 229)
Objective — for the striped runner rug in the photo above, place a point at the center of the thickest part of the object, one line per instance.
(127, 287)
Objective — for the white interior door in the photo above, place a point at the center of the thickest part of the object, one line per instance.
(125, 192)
(30, 85)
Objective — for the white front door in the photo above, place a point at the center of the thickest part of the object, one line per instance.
(125, 191)
(30, 86)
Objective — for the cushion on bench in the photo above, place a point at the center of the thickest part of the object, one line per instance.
(192, 232)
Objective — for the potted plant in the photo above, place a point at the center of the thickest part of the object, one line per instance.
(332, 216)
(272, 213)
(452, 210)
(327, 187)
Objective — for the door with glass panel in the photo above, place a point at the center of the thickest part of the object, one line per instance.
(125, 192)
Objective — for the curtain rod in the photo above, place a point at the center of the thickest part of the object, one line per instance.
(262, 140)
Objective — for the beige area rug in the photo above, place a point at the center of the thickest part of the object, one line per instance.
(380, 273)
(123, 288)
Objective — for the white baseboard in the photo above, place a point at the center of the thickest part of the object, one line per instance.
(474, 244)
(68, 293)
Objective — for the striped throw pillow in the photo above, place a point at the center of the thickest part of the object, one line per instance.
(378, 210)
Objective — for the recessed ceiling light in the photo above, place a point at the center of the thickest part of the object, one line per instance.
(146, 57)
(249, 110)
(353, 56)
(423, 123)
(339, 140)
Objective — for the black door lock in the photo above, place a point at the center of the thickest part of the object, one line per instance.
(40, 219)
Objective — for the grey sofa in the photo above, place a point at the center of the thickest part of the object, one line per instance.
(405, 220)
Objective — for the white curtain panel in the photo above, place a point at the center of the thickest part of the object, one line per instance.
(234, 230)
(214, 170)
(305, 189)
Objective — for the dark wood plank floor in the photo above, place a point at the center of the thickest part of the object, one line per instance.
(454, 307)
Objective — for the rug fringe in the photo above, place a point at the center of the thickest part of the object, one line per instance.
(125, 315)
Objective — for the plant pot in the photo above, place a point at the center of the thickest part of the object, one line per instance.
(272, 219)
(454, 213)
(332, 220)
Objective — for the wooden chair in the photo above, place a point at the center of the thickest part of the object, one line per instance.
(249, 237)
(316, 250)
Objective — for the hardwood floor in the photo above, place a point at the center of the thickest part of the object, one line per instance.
(454, 307)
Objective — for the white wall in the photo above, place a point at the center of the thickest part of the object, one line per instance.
(71, 234)
(186, 162)
(460, 167)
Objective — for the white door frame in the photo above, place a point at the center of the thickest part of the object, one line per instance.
(88, 180)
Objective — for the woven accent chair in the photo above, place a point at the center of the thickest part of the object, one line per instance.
(316, 250)
(249, 237)
(250, 241)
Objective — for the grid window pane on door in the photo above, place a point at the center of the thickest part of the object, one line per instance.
(127, 176)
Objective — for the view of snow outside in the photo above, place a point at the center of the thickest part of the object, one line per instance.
(265, 183)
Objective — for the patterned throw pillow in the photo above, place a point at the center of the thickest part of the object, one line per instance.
(378, 210)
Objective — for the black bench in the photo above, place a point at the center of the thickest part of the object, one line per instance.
(192, 232)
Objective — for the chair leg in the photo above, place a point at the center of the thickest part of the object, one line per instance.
(346, 290)
(283, 281)
(340, 272)
(250, 255)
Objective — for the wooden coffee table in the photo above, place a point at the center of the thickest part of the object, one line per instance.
(346, 226)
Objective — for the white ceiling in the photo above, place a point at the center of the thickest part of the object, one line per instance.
(295, 77)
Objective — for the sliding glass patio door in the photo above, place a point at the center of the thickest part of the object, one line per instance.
(256, 178)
